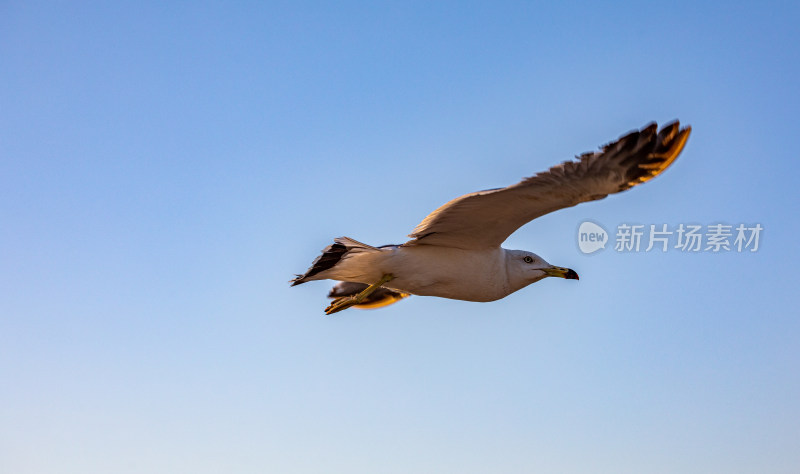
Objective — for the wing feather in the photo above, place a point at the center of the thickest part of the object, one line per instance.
(486, 218)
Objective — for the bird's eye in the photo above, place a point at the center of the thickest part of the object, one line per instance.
(528, 259)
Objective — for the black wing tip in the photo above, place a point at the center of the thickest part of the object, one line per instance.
(655, 152)
(329, 258)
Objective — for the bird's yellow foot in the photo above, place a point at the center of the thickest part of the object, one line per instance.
(345, 302)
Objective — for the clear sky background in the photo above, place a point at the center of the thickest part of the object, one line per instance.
(166, 167)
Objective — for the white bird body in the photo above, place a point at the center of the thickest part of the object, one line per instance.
(474, 275)
(424, 270)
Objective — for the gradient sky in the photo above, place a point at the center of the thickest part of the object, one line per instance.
(166, 167)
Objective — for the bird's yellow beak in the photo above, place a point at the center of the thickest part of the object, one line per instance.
(561, 272)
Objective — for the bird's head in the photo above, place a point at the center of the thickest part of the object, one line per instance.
(525, 268)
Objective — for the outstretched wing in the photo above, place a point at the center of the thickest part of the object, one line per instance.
(485, 219)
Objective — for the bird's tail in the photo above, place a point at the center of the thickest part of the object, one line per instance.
(331, 256)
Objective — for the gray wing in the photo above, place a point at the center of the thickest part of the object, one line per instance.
(485, 219)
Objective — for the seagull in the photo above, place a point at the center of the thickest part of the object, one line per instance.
(455, 252)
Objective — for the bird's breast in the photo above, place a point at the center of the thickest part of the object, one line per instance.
(449, 273)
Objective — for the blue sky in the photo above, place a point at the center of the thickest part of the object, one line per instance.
(166, 168)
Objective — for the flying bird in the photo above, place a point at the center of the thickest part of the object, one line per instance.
(455, 251)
